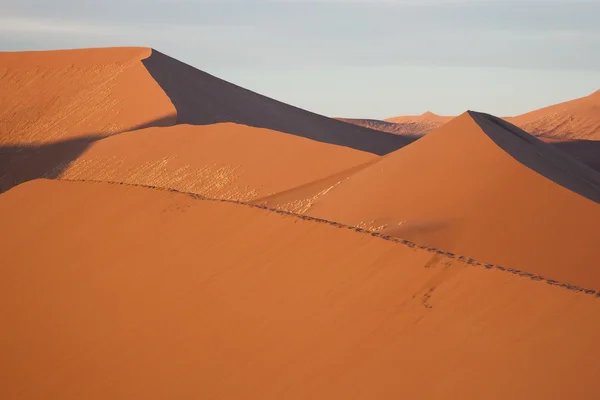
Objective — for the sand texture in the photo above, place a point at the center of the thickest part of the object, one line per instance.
(141, 293)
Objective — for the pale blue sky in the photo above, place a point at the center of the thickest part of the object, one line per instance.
(351, 58)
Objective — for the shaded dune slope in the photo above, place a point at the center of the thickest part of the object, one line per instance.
(572, 126)
(222, 160)
(477, 186)
(55, 104)
(299, 310)
(202, 99)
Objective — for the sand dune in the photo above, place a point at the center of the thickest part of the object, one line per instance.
(136, 293)
(199, 240)
(202, 99)
(427, 119)
(58, 95)
(575, 119)
(411, 130)
(56, 103)
(222, 160)
(476, 186)
(572, 126)
(412, 127)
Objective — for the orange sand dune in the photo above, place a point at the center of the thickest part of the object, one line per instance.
(411, 127)
(423, 123)
(56, 103)
(222, 160)
(572, 126)
(575, 119)
(425, 117)
(412, 130)
(67, 94)
(202, 99)
(110, 291)
(477, 186)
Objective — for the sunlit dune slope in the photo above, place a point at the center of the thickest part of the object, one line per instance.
(412, 130)
(223, 160)
(477, 186)
(423, 123)
(67, 94)
(110, 291)
(575, 119)
(54, 104)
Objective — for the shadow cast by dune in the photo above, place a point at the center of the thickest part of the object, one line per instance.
(545, 159)
(202, 99)
(586, 151)
(22, 163)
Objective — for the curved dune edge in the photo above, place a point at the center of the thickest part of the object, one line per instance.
(408, 243)
(223, 160)
(115, 291)
(86, 93)
(502, 196)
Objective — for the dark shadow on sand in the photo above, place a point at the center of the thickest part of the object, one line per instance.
(545, 159)
(202, 99)
(586, 151)
(22, 163)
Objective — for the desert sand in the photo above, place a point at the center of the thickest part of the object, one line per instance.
(142, 293)
(572, 126)
(223, 160)
(574, 119)
(477, 186)
(412, 127)
(167, 234)
(54, 104)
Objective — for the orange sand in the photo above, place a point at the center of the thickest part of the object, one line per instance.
(132, 289)
(222, 160)
(57, 95)
(471, 187)
(575, 119)
(55, 104)
(117, 292)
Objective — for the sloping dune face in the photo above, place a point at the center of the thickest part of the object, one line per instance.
(575, 119)
(202, 99)
(57, 95)
(412, 130)
(55, 103)
(225, 160)
(411, 127)
(480, 187)
(137, 293)
(421, 124)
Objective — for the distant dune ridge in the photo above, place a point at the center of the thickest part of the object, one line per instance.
(575, 119)
(572, 126)
(193, 239)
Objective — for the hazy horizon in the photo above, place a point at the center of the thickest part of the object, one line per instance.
(354, 59)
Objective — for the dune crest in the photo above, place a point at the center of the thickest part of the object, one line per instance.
(55, 104)
(574, 119)
(481, 187)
